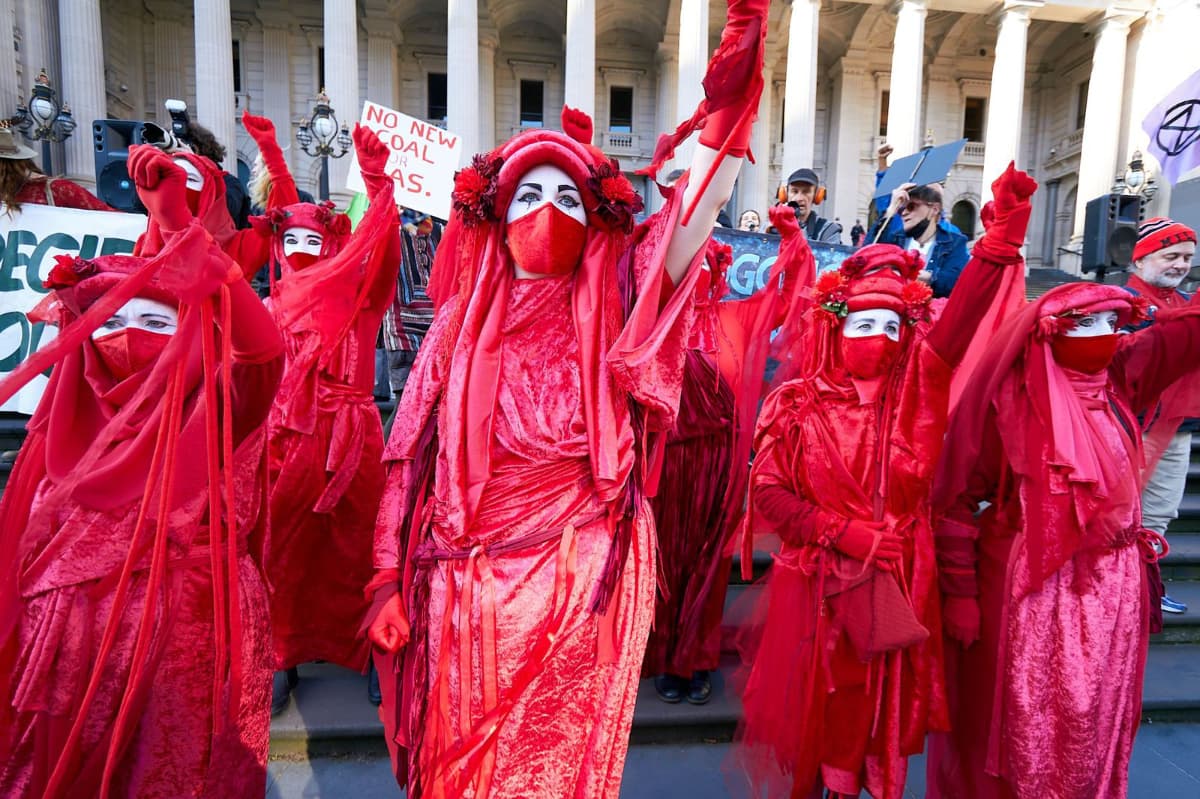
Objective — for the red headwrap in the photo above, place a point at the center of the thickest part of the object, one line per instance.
(877, 276)
(1072, 491)
(210, 209)
(321, 217)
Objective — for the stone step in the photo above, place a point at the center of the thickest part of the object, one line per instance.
(1183, 561)
(1163, 764)
(1181, 628)
(329, 715)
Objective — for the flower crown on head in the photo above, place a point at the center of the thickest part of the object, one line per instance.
(616, 200)
(68, 270)
(475, 188)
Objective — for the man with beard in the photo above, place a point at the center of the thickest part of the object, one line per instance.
(1161, 260)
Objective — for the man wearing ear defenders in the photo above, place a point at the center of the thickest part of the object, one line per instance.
(802, 193)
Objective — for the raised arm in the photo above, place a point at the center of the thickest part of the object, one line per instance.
(283, 185)
(732, 87)
(999, 249)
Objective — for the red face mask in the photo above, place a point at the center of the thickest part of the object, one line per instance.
(302, 260)
(128, 351)
(868, 357)
(193, 201)
(1087, 354)
(547, 241)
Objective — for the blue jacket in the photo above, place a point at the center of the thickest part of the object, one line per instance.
(947, 258)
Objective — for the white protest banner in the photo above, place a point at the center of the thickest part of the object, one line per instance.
(423, 162)
(31, 239)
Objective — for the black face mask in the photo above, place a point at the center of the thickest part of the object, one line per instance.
(918, 230)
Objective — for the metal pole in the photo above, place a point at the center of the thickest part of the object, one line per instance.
(324, 190)
(47, 167)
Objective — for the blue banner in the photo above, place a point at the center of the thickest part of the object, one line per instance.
(755, 253)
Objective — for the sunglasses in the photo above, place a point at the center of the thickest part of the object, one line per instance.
(913, 205)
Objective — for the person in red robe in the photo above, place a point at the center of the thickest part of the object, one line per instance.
(134, 627)
(846, 675)
(325, 435)
(514, 533)
(702, 490)
(1050, 591)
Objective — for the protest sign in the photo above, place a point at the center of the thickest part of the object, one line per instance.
(423, 161)
(31, 239)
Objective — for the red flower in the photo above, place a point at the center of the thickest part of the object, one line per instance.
(616, 200)
(916, 297)
(67, 271)
(830, 292)
(474, 195)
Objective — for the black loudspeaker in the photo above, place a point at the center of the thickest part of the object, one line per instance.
(1110, 224)
(112, 138)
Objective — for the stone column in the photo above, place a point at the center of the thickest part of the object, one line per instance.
(276, 102)
(169, 53)
(462, 73)
(1002, 138)
(852, 115)
(1098, 157)
(82, 84)
(341, 81)
(666, 61)
(753, 186)
(581, 56)
(800, 91)
(693, 58)
(214, 70)
(488, 42)
(908, 65)
(10, 92)
(382, 39)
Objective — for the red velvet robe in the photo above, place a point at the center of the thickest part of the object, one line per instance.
(326, 446)
(1048, 701)
(67, 587)
(511, 685)
(831, 451)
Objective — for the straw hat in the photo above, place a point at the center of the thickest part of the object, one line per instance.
(11, 147)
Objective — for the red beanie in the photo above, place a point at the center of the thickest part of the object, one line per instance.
(1158, 233)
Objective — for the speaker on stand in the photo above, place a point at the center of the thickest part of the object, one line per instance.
(112, 139)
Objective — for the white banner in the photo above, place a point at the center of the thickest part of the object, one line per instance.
(31, 239)
(423, 162)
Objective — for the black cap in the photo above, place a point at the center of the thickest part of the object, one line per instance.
(804, 176)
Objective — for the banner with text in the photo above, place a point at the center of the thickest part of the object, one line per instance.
(423, 162)
(31, 239)
(754, 254)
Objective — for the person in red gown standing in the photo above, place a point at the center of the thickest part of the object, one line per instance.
(1050, 591)
(702, 490)
(22, 182)
(846, 676)
(134, 627)
(325, 435)
(514, 532)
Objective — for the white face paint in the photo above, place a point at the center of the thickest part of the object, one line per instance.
(302, 239)
(546, 184)
(1094, 324)
(142, 313)
(195, 181)
(872, 322)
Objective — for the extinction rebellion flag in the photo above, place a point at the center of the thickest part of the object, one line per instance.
(1174, 129)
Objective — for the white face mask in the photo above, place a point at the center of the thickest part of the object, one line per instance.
(1094, 324)
(302, 239)
(195, 181)
(546, 184)
(872, 322)
(143, 314)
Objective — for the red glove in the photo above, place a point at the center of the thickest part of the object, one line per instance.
(733, 82)
(859, 542)
(196, 267)
(161, 185)
(960, 619)
(373, 156)
(1006, 233)
(283, 186)
(387, 624)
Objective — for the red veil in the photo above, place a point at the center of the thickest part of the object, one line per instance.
(103, 443)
